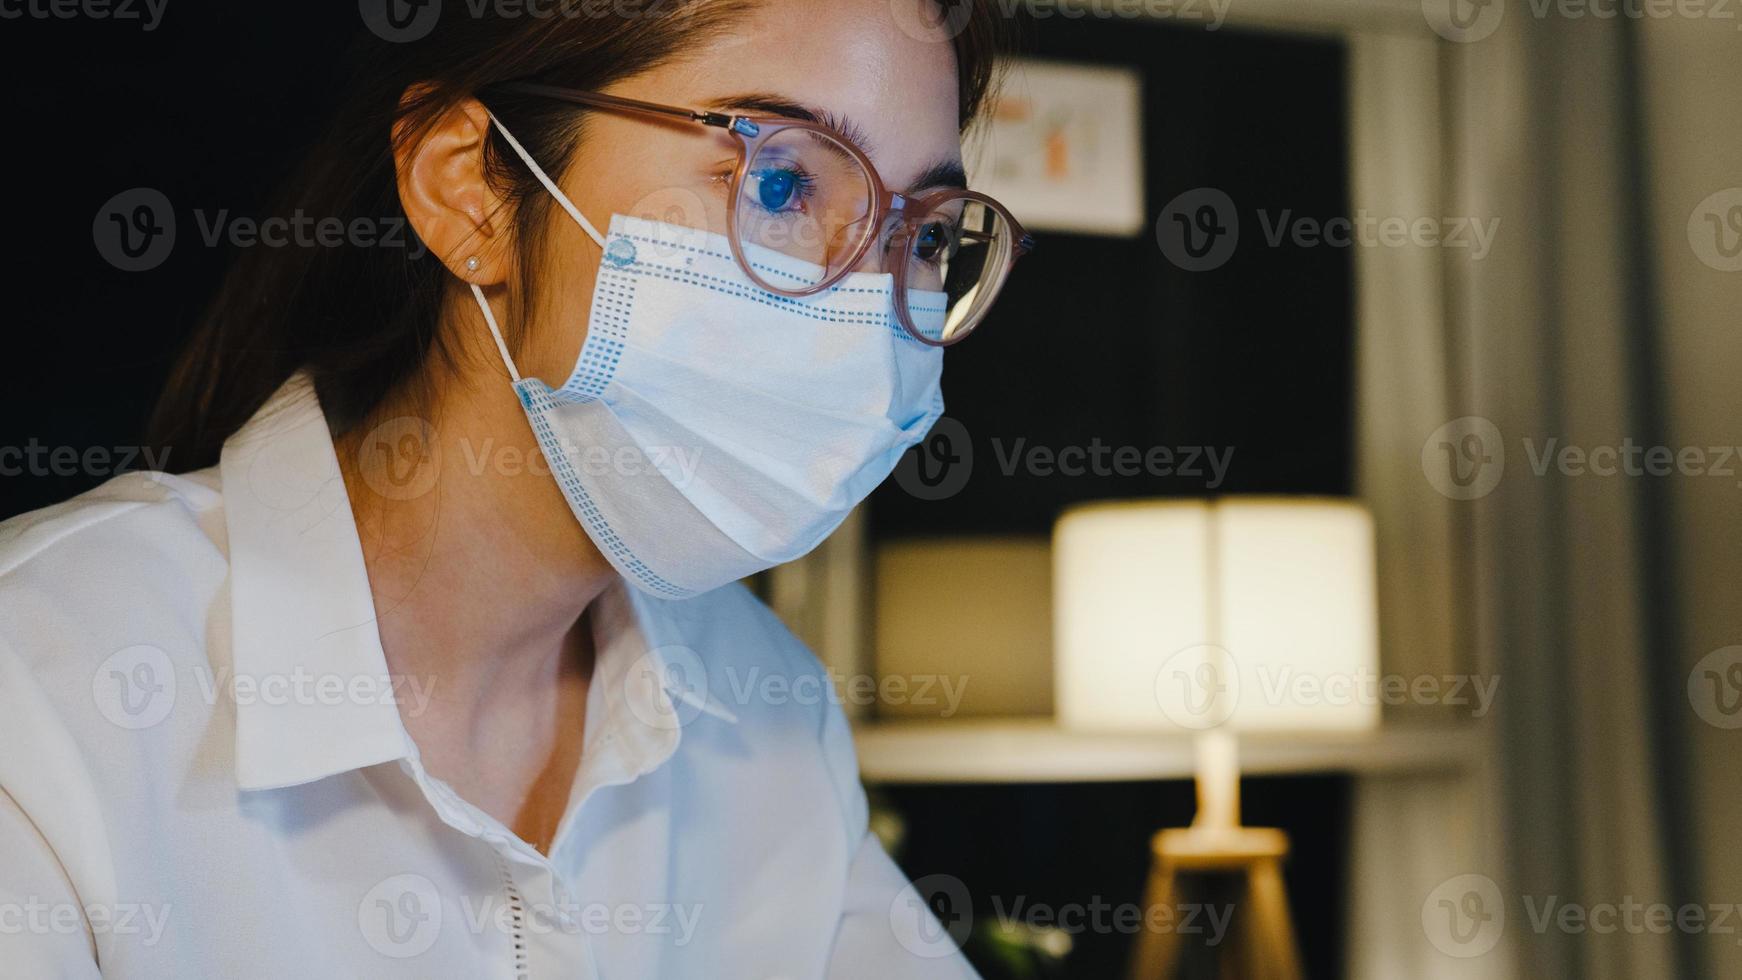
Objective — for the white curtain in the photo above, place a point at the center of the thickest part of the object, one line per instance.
(1595, 321)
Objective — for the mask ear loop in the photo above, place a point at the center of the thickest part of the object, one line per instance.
(567, 205)
(549, 185)
(495, 332)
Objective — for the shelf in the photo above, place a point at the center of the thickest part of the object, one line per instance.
(1037, 750)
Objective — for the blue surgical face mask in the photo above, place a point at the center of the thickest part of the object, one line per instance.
(712, 429)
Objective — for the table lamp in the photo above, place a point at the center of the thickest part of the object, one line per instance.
(1213, 617)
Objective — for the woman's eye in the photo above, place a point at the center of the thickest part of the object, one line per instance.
(934, 242)
(780, 189)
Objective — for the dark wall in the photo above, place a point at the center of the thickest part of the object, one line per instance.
(1051, 853)
(1108, 339)
(211, 108)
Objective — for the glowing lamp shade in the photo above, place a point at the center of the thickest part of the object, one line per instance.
(1237, 614)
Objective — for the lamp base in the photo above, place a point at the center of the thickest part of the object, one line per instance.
(1267, 950)
(1200, 848)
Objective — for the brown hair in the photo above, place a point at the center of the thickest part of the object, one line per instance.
(363, 321)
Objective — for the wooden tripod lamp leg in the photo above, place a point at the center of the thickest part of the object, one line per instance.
(1156, 949)
(1217, 842)
(1274, 953)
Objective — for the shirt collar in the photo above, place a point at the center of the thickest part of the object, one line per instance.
(309, 670)
(312, 689)
(648, 679)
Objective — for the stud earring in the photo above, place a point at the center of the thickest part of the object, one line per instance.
(472, 264)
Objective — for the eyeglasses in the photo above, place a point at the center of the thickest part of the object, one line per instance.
(805, 191)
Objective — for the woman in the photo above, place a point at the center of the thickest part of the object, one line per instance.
(429, 663)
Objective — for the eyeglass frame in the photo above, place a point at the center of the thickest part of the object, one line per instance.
(752, 132)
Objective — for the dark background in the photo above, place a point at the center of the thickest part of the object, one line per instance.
(1071, 845)
(213, 108)
(1105, 338)
(1097, 338)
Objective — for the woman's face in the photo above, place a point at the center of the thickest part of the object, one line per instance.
(872, 68)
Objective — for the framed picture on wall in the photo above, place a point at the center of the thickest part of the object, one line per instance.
(1064, 147)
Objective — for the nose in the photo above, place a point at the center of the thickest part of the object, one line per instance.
(874, 260)
(878, 258)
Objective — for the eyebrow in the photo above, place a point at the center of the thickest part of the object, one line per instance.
(944, 173)
(776, 105)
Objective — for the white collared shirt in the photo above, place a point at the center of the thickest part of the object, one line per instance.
(204, 770)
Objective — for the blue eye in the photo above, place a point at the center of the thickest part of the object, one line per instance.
(934, 242)
(781, 189)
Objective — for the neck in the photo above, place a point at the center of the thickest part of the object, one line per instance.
(480, 574)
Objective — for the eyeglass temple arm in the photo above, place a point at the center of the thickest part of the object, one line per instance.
(737, 124)
(600, 100)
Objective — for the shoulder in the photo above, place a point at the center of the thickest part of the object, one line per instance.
(785, 700)
(137, 515)
(752, 663)
(105, 605)
(734, 633)
(135, 562)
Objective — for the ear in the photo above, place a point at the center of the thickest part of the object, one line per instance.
(444, 192)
